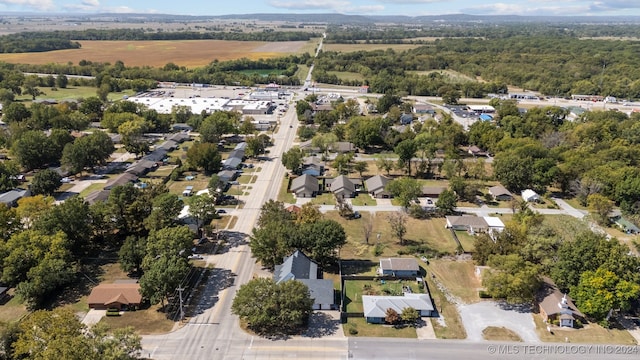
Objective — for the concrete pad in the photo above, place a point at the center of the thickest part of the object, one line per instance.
(93, 317)
(476, 317)
(425, 330)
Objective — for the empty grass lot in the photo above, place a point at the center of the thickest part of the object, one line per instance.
(457, 276)
(144, 322)
(419, 232)
(494, 333)
(365, 329)
(450, 325)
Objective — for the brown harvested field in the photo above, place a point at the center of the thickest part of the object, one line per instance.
(189, 53)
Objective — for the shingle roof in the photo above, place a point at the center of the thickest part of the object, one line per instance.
(98, 195)
(551, 297)
(469, 221)
(297, 266)
(376, 306)
(321, 290)
(342, 183)
(376, 183)
(110, 293)
(120, 180)
(303, 182)
(499, 190)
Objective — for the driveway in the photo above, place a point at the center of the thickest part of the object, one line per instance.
(476, 317)
(93, 317)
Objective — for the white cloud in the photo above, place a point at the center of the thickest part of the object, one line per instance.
(93, 3)
(400, 2)
(34, 4)
(522, 9)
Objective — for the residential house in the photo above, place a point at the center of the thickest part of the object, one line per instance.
(179, 137)
(11, 197)
(556, 307)
(625, 225)
(529, 195)
(432, 191)
(474, 224)
(305, 186)
(97, 196)
(424, 109)
(313, 166)
(399, 267)
(500, 193)
(168, 145)
(476, 151)
(375, 307)
(343, 147)
(342, 187)
(141, 167)
(121, 179)
(120, 296)
(227, 175)
(406, 119)
(308, 147)
(157, 155)
(299, 267)
(376, 186)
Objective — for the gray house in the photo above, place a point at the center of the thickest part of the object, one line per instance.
(500, 193)
(342, 187)
(375, 307)
(376, 186)
(399, 267)
(11, 197)
(305, 186)
(299, 267)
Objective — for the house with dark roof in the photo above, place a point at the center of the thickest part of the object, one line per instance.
(312, 165)
(476, 151)
(376, 186)
(11, 197)
(500, 193)
(120, 296)
(97, 196)
(432, 191)
(121, 179)
(141, 167)
(399, 267)
(342, 187)
(343, 147)
(556, 306)
(375, 307)
(406, 119)
(299, 267)
(305, 186)
(179, 137)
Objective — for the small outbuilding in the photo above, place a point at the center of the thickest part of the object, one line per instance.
(399, 267)
(529, 195)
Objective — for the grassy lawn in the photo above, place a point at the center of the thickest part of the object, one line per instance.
(162, 171)
(347, 75)
(363, 199)
(377, 330)
(466, 240)
(302, 72)
(457, 276)
(565, 226)
(449, 326)
(12, 310)
(91, 188)
(324, 199)
(73, 92)
(199, 183)
(285, 196)
(494, 333)
(147, 321)
(354, 289)
(419, 232)
(591, 333)
(64, 188)
(576, 204)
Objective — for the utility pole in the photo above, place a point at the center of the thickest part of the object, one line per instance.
(180, 290)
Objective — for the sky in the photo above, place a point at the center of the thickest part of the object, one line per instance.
(361, 7)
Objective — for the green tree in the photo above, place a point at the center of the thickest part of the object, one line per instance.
(283, 308)
(385, 164)
(15, 112)
(270, 242)
(162, 276)
(9, 222)
(62, 81)
(87, 152)
(320, 240)
(404, 189)
(31, 84)
(165, 211)
(512, 278)
(132, 132)
(128, 206)
(202, 208)
(255, 146)
(168, 242)
(33, 150)
(292, 159)
(601, 206)
(447, 202)
(218, 124)
(73, 218)
(131, 254)
(360, 167)
(8, 175)
(410, 315)
(204, 156)
(46, 182)
(602, 290)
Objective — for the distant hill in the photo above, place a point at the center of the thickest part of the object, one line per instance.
(339, 19)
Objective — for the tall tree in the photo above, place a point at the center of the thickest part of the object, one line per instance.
(46, 182)
(283, 308)
(404, 189)
(398, 222)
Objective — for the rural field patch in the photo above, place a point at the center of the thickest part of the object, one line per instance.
(189, 53)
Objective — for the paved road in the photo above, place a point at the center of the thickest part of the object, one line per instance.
(233, 267)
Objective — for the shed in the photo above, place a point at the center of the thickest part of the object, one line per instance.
(529, 195)
(399, 267)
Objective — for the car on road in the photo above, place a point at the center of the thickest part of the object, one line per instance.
(196, 257)
(65, 180)
(221, 211)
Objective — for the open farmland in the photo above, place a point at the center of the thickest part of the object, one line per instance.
(188, 53)
(345, 48)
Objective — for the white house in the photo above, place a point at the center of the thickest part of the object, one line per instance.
(375, 307)
(529, 195)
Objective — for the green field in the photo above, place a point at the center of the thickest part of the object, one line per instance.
(347, 76)
(73, 92)
(262, 72)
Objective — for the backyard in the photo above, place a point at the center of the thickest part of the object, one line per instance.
(354, 289)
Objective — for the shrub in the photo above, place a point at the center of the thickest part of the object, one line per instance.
(484, 295)
(378, 249)
(353, 330)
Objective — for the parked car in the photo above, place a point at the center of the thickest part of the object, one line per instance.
(196, 257)
(221, 211)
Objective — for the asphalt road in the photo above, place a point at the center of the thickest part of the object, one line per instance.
(214, 333)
